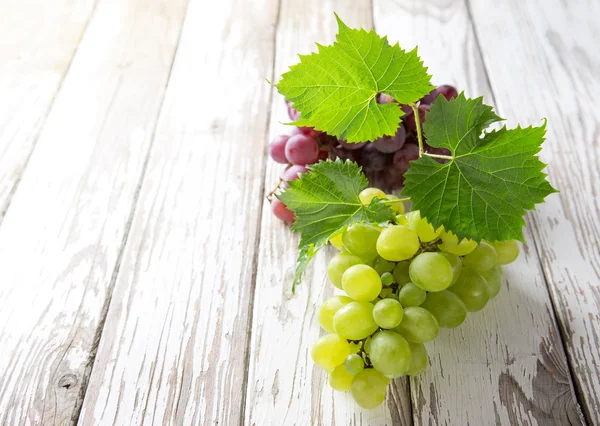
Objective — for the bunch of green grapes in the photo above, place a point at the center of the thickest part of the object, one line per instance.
(402, 283)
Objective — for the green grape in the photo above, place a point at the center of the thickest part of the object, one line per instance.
(354, 348)
(493, 278)
(382, 266)
(387, 313)
(338, 265)
(337, 242)
(451, 245)
(507, 251)
(360, 239)
(446, 307)
(397, 207)
(361, 282)
(411, 295)
(385, 292)
(328, 310)
(471, 288)
(401, 274)
(418, 360)
(482, 258)
(431, 271)
(329, 351)
(456, 264)
(367, 345)
(390, 354)
(401, 220)
(418, 325)
(367, 195)
(354, 321)
(387, 279)
(392, 296)
(340, 379)
(397, 243)
(354, 364)
(368, 388)
(423, 228)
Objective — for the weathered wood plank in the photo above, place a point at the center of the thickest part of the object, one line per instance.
(38, 43)
(553, 72)
(284, 385)
(60, 241)
(175, 339)
(505, 364)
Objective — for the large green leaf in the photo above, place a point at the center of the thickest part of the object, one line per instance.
(336, 89)
(483, 192)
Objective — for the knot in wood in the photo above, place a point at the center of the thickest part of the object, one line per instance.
(67, 381)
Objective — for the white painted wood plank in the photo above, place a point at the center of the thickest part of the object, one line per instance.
(552, 71)
(284, 385)
(61, 238)
(175, 339)
(38, 43)
(506, 363)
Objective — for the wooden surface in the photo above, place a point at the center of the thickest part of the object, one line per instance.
(143, 278)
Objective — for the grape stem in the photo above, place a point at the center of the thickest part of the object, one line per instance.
(399, 200)
(445, 157)
(269, 196)
(415, 109)
(422, 152)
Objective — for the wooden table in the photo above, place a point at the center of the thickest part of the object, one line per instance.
(143, 279)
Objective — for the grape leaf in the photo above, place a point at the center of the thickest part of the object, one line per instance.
(335, 90)
(325, 200)
(483, 192)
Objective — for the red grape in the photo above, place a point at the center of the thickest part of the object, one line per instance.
(344, 154)
(430, 97)
(449, 92)
(282, 212)
(291, 173)
(408, 113)
(308, 131)
(390, 144)
(293, 114)
(277, 149)
(352, 146)
(301, 149)
(382, 98)
(403, 157)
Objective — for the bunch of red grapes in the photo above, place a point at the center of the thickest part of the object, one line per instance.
(384, 160)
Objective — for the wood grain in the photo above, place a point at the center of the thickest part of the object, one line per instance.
(38, 43)
(505, 364)
(553, 50)
(284, 385)
(61, 238)
(173, 350)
